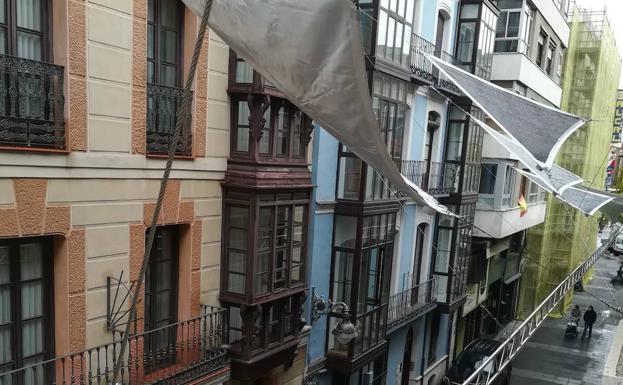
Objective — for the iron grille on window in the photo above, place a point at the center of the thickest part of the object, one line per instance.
(31, 103)
(163, 102)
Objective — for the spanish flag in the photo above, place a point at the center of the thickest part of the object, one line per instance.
(523, 206)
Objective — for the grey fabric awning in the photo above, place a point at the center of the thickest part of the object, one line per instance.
(539, 129)
(312, 52)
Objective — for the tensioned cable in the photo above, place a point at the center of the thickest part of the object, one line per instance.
(180, 119)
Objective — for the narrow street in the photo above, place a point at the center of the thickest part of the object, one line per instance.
(550, 358)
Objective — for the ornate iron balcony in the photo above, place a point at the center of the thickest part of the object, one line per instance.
(435, 178)
(179, 353)
(411, 303)
(421, 67)
(442, 81)
(163, 102)
(31, 104)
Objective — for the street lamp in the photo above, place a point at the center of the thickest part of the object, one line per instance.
(345, 331)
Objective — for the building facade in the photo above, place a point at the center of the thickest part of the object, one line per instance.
(88, 98)
(401, 269)
(591, 73)
(531, 38)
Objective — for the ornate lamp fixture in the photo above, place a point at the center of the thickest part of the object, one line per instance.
(345, 331)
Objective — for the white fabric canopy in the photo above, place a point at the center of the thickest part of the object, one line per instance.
(312, 52)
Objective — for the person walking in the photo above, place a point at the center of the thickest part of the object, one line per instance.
(576, 313)
(590, 316)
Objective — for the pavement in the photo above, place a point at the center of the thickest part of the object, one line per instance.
(549, 358)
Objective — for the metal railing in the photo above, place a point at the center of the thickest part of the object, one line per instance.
(420, 66)
(173, 354)
(31, 103)
(509, 349)
(410, 303)
(433, 177)
(163, 103)
(443, 81)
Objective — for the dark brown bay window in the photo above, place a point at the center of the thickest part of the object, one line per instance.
(26, 300)
(31, 90)
(265, 242)
(165, 19)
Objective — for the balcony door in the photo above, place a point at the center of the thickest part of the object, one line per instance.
(26, 324)
(161, 299)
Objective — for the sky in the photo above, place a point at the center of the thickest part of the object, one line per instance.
(615, 15)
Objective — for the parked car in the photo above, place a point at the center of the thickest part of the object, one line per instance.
(472, 357)
(618, 245)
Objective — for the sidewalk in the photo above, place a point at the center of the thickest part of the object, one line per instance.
(549, 358)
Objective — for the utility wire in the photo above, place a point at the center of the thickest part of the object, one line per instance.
(180, 119)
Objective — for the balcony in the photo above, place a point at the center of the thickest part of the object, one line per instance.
(163, 102)
(410, 304)
(185, 352)
(433, 177)
(424, 71)
(31, 104)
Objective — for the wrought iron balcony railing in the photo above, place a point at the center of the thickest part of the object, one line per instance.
(443, 81)
(411, 303)
(163, 102)
(174, 354)
(435, 178)
(31, 104)
(421, 67)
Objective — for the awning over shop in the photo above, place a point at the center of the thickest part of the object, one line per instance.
(312, 52)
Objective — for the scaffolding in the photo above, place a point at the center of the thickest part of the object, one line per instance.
(591, 72)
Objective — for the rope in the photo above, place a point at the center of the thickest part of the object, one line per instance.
(181, 114)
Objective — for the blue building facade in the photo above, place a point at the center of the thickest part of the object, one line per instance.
(382, 255)
(401, 269)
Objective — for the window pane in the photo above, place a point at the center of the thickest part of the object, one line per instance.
(31, 256)
(3, 11)
(282, 132)
(168, 46)
(150, 10)
(32, 300)
(29, 14)
(235, 283)
(350, 177)
(267, 135)
(487, 178)
(500, 30)
(150, 41)
(391, 28)
(5, 346)
(169, 13)
(381, 34)
(244, 72)
(4, 265)
(465, 47)
(296, 275)
(469, 11)
(28, 46)
(163, 306)
(242, 142)
(513, 24)
(32, 337)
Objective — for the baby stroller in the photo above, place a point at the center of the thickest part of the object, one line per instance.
(572, 327)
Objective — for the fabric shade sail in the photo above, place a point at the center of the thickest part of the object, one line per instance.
(556, 179)
(539, 129)
(312, 52)
(585, 199)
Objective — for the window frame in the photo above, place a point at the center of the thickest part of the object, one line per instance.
(12, 29)
(15, 298)
(156, 23)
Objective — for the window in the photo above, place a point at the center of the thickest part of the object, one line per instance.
(434, 321)
(541, 48)
(23, 29)
(26, 323)
(533, 195)
(487, 178)
(349, 180)
(237, 248)
(549, 65)
(393, 39)
(280, 243)
(161, 298)
(244, 71)
(509, 183)
(559, 67)
(164, 29)
(282, 134)
(507, 31)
